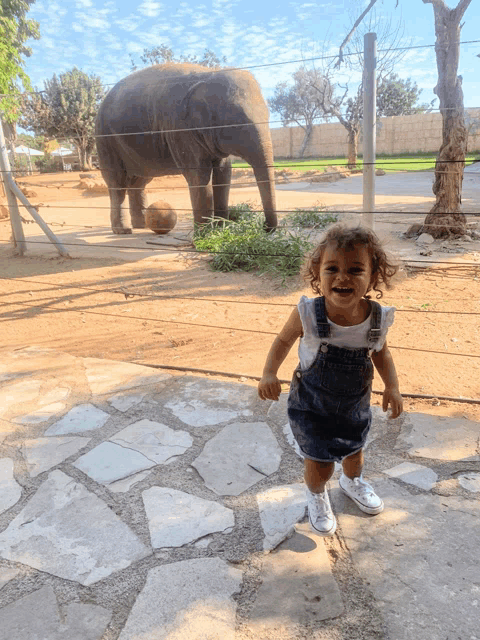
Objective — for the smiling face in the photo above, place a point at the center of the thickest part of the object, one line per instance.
(345, 277)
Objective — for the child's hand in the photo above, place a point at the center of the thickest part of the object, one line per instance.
(393, 398)
(269, 387)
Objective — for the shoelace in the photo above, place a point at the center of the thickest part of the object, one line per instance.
(362, 486)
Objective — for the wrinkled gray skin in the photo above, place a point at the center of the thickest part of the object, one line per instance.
(167, 99)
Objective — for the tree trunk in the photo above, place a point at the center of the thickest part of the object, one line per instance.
(352, 140)
(85, 158)
(446, 217)
(306, 140)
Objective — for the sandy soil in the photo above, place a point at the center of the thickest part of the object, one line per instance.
(224, 322)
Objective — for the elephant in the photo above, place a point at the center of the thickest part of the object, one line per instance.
(175, 119)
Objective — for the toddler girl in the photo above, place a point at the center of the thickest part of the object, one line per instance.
(341, 333)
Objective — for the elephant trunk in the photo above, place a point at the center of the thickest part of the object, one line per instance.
(263, 169)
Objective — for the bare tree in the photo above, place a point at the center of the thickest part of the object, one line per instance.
(446, 217)
(301, 103)
(348, 109)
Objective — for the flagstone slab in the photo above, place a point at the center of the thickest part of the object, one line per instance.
(41, 454)
(107, 376)
(38, 617)
(416, 474)
(470, 482)
(176, 518)
(440, 437)
(7, 574)
(242, 454)
(200, 402)
(83, 417)
(280, 509)
(297, 588)
(154, 440)
(110, 462)
(123, 401)
(10, 490)
(47, 406)
(188, 600)
(420, 559)
(290, 438)
(124, 485)
(19, 392)
(68, 531)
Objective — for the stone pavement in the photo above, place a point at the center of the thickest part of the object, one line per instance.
(139, 505)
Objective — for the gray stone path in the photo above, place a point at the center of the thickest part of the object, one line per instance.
(138, 504)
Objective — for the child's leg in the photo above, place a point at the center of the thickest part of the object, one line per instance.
(317, 474)
(320, 512)
(353, 465)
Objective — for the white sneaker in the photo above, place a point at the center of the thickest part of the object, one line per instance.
(362, 494)
(320, 514)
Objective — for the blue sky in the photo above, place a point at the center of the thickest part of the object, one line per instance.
(97, 36)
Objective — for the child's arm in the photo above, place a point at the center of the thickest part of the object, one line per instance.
(269, 387)
(383, 362)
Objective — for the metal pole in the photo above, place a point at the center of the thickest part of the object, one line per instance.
(369, 127)
(15, 219)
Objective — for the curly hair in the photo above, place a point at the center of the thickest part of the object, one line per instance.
(342, 237)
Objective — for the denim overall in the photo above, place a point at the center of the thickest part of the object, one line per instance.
(329, 402)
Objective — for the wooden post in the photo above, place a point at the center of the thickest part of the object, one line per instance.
(15, 219)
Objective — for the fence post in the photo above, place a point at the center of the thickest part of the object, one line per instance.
(369, 127)
(15, 219)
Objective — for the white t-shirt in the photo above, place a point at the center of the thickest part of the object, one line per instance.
(354, 337)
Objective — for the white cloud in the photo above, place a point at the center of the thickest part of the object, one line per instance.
(130, 24)
(150, 8)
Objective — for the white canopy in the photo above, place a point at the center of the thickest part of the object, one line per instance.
(28, 152)
(62, 151)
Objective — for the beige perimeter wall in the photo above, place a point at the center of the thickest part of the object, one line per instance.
(395, 135)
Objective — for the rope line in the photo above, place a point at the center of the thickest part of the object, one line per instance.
(275, 64)
(228, 253)
(129, 293)
(326, 162)
(211, 326)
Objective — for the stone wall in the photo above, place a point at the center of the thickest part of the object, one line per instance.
(395, 135)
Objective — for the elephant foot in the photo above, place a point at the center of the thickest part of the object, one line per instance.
(139, 225)
(121, 230)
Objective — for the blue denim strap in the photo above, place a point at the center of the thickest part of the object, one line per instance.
(323, 327)
(375, 332)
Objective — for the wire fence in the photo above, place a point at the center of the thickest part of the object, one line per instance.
(47, 305)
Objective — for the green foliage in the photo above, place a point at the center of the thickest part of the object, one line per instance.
(67, 109)
(33, 142)
(15, 29)
(396, 97)
(49, 164)
(313, 218)
(162, 54)
(244, 245)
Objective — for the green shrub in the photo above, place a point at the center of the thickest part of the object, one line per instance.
(315, 217)
(244, 245)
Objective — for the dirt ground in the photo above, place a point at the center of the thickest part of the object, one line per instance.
(225, 321)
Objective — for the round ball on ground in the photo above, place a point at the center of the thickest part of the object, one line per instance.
(160, 217)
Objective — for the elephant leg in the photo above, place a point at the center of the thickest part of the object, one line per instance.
(221, 179)
(138, 202)
(201, 193)
(119, 211)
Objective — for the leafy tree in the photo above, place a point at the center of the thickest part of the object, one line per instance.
(446, 217)
(66, 109)
(33, 142)
(15, 29)
(162, 54)
(302, 102)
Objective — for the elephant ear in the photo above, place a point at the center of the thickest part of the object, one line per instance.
(195, 110)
